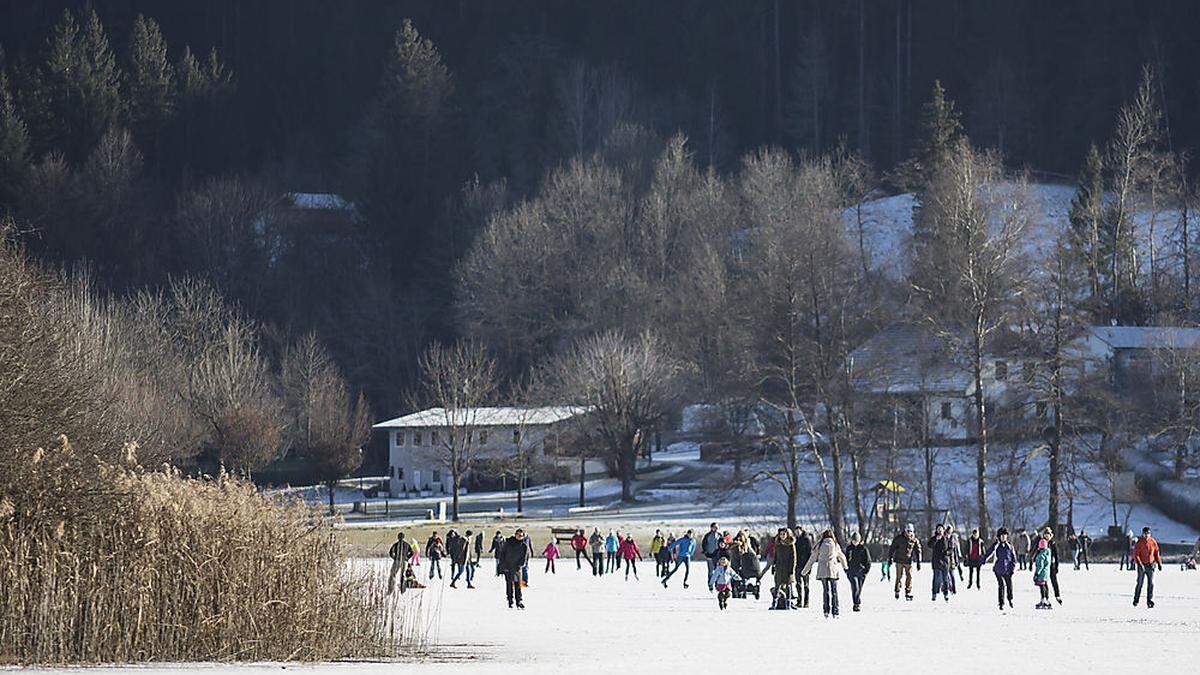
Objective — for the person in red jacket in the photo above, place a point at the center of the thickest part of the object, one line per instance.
(1147, 558)
(579, 544)
(630, 552)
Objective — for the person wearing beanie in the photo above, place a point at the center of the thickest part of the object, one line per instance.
(903, 553)
(1006, 564)
(1041, 573)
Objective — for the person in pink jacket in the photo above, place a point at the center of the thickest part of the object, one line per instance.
(630, 552)
(551, 554)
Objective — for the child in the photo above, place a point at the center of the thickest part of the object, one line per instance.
(1041, 574)
(551, 554)
(885, 570)
(722, 579)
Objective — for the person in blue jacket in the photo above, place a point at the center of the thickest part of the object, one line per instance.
(611, 543)
(682, 550)
(1006, 564)
(721, 579)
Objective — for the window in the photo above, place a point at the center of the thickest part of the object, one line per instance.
(416, 438)
(1001, 370)
(483, 438)
(399, 439)
(433, 438)
(399, 473)
(437, 475)
(1040, 409)
(947, 411)
(1029, 372)
(516, 436)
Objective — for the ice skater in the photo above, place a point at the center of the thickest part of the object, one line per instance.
(682, 550)
(400, 552)
(458, 549)
(858, 557)
(611, 543)
(709, 547)
(579, 544)
(1147, 557)
(722, 579)
(1085, 545)
(804, 551)
(1006, 563)
(656, 545)
(903, 553)
(975, 549)
(939, 548)
(1052, 546)
(497, 544)
(955, 556)
(514, 554)
(596, 542)
(1041, 574)
(434, 550)
(1127, 551)
(1023, 545)
(830, 562)
(551, 554)
(628, 550)
(784, 567)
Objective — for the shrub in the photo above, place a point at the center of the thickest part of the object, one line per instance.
(108, 563)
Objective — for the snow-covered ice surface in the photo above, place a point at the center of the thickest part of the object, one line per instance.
(576, 623)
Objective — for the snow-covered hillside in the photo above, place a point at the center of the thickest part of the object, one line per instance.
(887, 224)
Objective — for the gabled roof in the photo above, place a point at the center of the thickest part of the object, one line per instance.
(1147, 337)
(484, 417)
(907, 359)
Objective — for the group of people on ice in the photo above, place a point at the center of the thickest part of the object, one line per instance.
(734, 563)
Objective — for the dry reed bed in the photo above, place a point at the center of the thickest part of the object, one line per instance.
(102, 563)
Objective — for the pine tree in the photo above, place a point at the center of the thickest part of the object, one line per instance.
(151, 84)
(75, 96)
(14, 144)
(203, 88)
(940, 129)
(401, 160)
(1087, 222)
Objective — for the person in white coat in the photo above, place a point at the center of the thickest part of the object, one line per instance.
(831, 563)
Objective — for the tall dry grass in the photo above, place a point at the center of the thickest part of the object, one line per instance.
(109, 563)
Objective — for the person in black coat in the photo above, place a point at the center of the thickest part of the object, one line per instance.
(859, 559)
(456, 548)
(400, 553)
(514, 555)
(804, 547)
(939, 547)
(1052, 546)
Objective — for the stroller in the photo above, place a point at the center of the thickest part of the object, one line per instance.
(750, 571)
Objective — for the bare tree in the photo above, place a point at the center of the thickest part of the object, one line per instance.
(627, 383)
(969, 267)
(458, 379)
(328, 427)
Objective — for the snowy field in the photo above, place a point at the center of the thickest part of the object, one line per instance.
(576, 623)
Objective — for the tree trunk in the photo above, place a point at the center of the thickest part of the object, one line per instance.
(626, 466)
(331, 484)
(792, 494)
(856, 484)
(520, 491)
(582, 473)
(454, 497)
(981, 457)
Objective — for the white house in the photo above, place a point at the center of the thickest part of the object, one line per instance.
(929, 377)
(415, 441)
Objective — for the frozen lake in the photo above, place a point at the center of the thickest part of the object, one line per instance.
(577, 623)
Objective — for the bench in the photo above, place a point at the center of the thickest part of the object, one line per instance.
(563, 535)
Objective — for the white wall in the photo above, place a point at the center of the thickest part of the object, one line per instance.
(420, 463)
